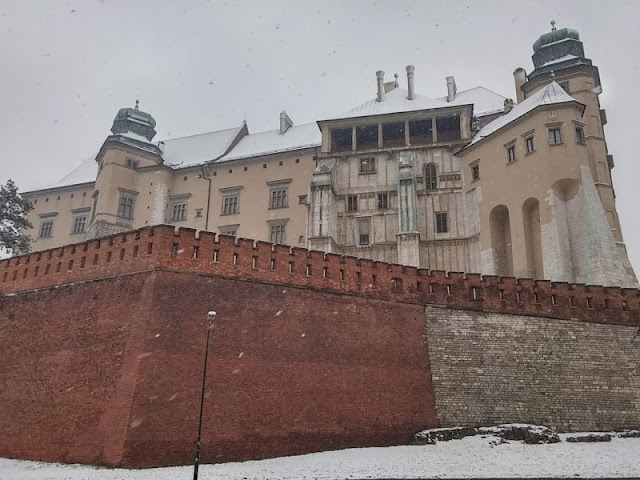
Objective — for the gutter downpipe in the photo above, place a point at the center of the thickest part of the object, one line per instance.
(206, 218)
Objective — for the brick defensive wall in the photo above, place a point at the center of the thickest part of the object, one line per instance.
(164, 247)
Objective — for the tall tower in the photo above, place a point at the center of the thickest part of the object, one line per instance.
(559, 55)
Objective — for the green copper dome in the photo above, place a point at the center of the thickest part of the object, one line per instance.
(555, 35)
(134, 120)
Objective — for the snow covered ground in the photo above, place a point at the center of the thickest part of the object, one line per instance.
(469, 457)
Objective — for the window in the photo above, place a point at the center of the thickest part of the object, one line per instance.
(178, 212)
(475, 171)
(352, 203)
(579, 135)
(198, 212)
(368, 165)
(79, 223)
(555, 136)
(448, 129)
(340, 139)
(230, 204)
(132, 163)
(364, 229)
(46, 228)
(383, 201)
(125, 209)
(441, 222)
(511, 154)
(229, 230)
(420, 132)
(430, 177)
(529, 145)
(302, 199)
(279, 198)
(277, 234)
(393, 135)
(367, 137)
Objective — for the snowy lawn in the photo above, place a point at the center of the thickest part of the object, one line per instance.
(469, 457)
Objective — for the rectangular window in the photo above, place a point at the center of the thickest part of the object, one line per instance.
(352, 203)
(125, 209)
(475, 171)
(340, 139)
(132, 163)
(230, 204)
(364, 230)
(420, 132)
(46, 228)
(529, 145)
(579, 135)
(448, 129)
(230, 230)
(383, 201)
(367, 137)
(79, 224)
(511, 154)
(302, 199)
(441, 222)
(277, 234)
(279, 198)
(178, 212)
(368, 165)
(555, 136)
(393, 135)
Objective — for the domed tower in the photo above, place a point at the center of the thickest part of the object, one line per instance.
(118, 184)
(559, 56)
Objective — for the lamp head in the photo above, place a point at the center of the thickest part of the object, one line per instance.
(211, 316)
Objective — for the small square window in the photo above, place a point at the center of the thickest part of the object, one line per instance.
(131, 163)
(352, 203)
(383, 201)
(441, 222)
(475, 172)
(555, 136)
(529, 145)
(368, 165)
(579, 135)
(511, 154)
(302, 199)
(198, 212)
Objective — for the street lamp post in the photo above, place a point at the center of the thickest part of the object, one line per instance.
(210, 318)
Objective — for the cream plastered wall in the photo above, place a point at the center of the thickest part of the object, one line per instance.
(531, 176)
(60, 205)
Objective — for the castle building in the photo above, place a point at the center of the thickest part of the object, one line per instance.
(470, 181)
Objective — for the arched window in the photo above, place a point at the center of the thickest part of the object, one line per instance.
(430, 177)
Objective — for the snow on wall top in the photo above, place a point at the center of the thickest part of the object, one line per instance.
(265, 143)
(551, 94)
(485, 102)
(196, 149)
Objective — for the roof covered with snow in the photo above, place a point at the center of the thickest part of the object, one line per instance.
(394, 101)
(266, 143)
(197, 149)
(485, 101)
(86, 172)
(551, 94)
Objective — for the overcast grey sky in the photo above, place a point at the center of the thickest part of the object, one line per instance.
(196, 66)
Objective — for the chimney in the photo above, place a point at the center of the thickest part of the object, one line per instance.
(520, 77)
(451, 89)
(410, 70)
(285, 122)
(380, 78)
(508, 105)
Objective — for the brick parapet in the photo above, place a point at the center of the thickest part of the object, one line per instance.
(164, 247)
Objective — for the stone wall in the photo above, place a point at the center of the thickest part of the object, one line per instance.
(570, 375)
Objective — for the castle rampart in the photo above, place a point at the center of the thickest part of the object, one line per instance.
(187, 250)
